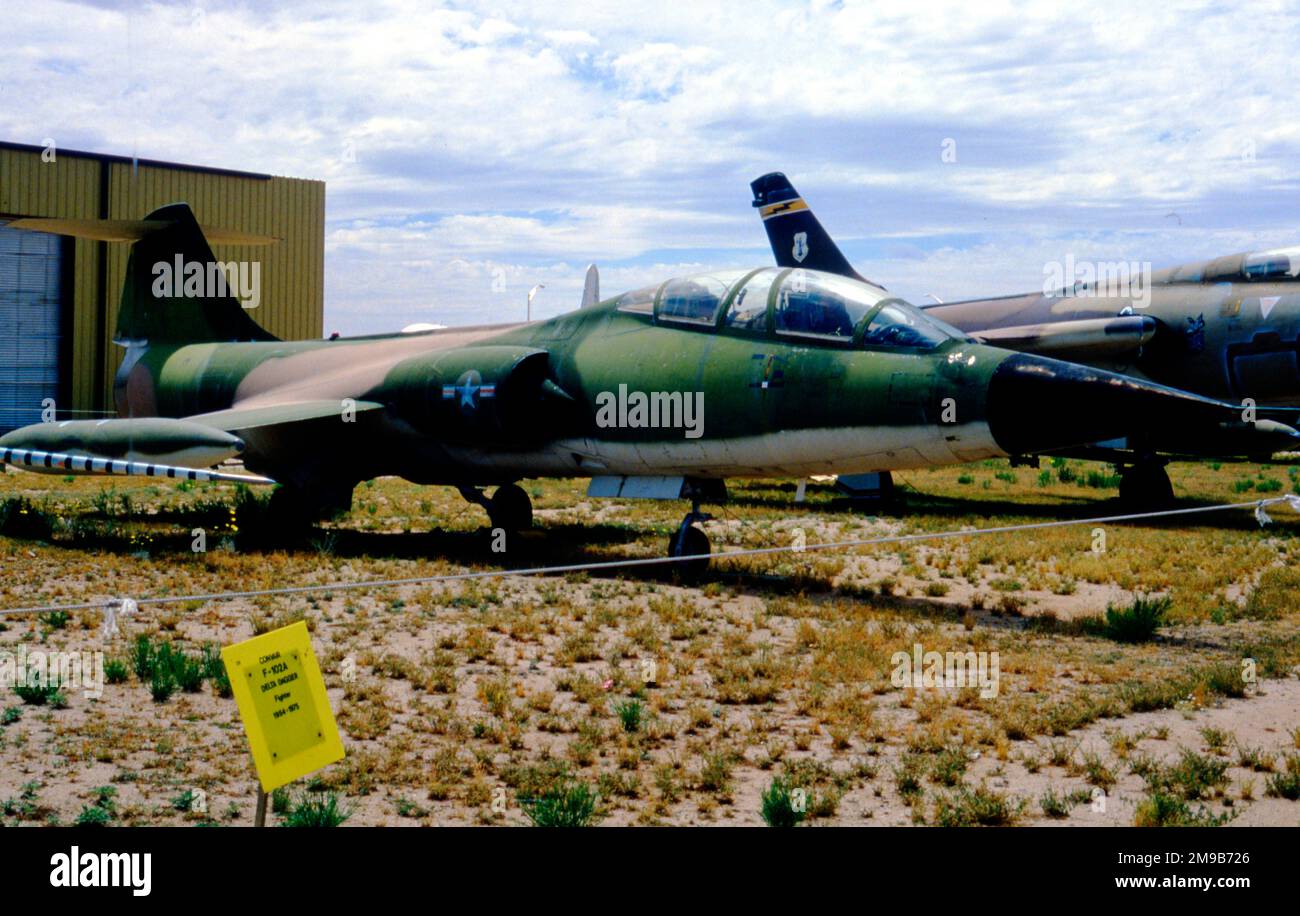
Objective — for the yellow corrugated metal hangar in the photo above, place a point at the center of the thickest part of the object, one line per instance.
(59, 296)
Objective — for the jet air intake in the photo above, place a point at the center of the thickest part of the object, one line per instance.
(499, 394)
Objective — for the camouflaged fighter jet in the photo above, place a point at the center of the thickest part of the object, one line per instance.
(1227, 328)
(660, 392)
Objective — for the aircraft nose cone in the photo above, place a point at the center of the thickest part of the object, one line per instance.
(1037, 404)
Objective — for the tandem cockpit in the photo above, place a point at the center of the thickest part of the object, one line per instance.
(804, 305)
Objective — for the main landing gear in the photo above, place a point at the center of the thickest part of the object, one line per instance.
(293, 509)
(1145, 486)
(689, 541)
(509, 508)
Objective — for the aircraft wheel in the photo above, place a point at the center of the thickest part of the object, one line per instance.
(289, 511)
(1145, 487)
(510, 508)
(689, 541)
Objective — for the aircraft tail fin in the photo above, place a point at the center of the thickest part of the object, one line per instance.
(591, 287)
(155, 311)
(176, 291)
(796, 235)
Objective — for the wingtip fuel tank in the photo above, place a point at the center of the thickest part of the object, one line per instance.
(154, 439)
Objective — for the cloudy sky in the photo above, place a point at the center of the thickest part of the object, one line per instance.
(472, 150)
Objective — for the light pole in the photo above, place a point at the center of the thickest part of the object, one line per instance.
(531, 293)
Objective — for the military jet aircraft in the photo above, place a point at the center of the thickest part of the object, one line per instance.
(1228, 328)
(664, 391)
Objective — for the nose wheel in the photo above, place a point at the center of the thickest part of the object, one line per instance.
(510, 508)
(690, 541)
(1145, 486)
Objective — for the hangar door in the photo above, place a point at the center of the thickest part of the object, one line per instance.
(30, 323)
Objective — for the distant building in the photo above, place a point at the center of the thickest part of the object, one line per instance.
(59, 296)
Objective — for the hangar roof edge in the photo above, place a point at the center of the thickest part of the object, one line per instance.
(152, 163)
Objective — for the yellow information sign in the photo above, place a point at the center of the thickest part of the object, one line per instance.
(281, 696)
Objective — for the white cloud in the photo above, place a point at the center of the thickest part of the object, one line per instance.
(569, 37)
(547, 134)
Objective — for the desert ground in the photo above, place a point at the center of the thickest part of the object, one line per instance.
(1147, 672)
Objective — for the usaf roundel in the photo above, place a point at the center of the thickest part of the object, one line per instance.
(469, 391)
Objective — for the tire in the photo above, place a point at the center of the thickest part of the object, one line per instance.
(692, 542)
(289, 512)
(1146, 488)
(510, 508)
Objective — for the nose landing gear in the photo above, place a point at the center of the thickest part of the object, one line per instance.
(689, 541)
(510, 508)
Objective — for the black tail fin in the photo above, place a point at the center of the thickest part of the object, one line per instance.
(163, 300)
(175, 292)
(798, 239)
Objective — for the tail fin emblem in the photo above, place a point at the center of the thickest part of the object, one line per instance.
(800, 250)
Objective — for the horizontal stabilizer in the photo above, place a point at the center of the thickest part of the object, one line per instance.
(131, 230)
(61, 463)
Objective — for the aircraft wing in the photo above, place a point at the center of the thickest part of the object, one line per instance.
(257, 415)
(131, 230)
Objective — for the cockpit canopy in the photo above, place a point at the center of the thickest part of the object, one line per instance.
(696, 299)
(1278, 264)
(795, 303)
